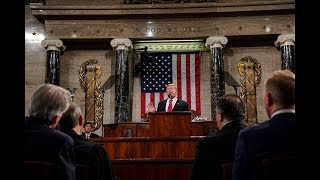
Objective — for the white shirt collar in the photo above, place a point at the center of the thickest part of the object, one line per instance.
(281, 111)
(175, 99)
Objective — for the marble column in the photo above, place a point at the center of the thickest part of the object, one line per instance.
(122, 111)
(54, 48)
(216, 44)
(287, 48)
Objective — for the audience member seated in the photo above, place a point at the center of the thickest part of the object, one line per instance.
(213, 151)
(42, 142)
(88, 131)
(272, 137)
(87, 152)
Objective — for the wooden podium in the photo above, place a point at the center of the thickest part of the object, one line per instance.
(161, 124)
(170, 124)
(161, 149)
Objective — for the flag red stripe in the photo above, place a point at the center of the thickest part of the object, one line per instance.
(179, 74)
(161, 96)
(188, 80)
(143, 104)
(198, 105)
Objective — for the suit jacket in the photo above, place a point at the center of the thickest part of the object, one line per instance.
(93, 155)
(212, 151)
(92, 135)
(180, 105)
(276, 136)
(42, 143)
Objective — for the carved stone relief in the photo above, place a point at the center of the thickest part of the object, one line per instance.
(128, 132)
(89, 75)
(250, 77)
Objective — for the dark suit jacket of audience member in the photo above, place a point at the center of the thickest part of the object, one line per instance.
(92, 135)
(180, 105)
(212, 151)
(276, 136)
(42, 143)
(92, 154)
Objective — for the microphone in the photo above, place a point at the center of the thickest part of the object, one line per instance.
(170, 95)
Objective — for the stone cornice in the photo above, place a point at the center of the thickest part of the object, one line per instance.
(42, 12)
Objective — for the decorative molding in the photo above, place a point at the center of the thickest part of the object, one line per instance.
(172, 46)
(85, 9)
(89, 78)
(121, 43)
(250, 73)
(285, 39)
(216, 41)
(127, 132)
(194, 28)
(164, 1)
(53, 44)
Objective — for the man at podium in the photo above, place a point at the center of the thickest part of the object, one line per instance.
(172, 103)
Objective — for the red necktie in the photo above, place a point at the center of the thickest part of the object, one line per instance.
(170, 106)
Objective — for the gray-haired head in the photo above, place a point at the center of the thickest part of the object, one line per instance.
(48, 102)
(70, 118)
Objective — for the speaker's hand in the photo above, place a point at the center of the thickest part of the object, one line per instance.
(150, 107)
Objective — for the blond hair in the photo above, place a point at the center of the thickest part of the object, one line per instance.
(281, 85)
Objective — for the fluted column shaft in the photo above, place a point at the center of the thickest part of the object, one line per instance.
(216, 44)
(122, 111)
(54, 48)
(287, 49)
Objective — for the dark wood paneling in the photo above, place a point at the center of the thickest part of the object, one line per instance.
(145, 147)
(161, 149)
(148, 169)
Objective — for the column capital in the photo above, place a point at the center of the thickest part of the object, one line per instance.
(53, 44)
(121, 43)
(285, 39)
(216, 41)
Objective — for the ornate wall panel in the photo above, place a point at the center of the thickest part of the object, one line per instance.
(89, 75)
(250, 77)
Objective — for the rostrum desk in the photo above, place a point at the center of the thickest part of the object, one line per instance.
(161, 149)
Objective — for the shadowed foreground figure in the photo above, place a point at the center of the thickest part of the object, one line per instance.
(86, 151)
(212, 151)
(271, 138)
(42, 142)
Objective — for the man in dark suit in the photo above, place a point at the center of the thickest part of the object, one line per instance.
(213, 151)
(172, 103)
(42, 142)
(88, 131)
(87, 152)
(273, 137)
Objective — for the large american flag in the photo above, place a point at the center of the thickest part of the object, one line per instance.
(160, 69)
